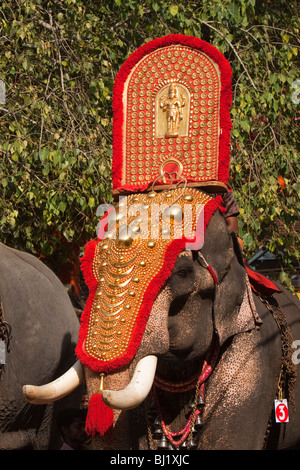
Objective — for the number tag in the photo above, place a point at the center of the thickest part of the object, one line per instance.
(281, 411)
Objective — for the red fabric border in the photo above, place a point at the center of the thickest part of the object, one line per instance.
(153, 289)
(225, 103)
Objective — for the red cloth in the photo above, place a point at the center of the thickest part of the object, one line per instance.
(261, 284)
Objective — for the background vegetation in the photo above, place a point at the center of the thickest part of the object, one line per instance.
(58, 62)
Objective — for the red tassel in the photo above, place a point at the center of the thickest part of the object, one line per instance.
(99, 418)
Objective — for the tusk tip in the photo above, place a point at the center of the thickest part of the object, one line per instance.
(57, 389)
(28, 392)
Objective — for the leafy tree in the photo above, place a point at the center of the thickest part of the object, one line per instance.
(59, 61)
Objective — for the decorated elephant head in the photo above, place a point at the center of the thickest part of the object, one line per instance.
(166, 303)
(162, 270)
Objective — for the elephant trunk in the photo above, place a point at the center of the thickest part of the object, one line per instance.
(155, 343)
(59, 388)
(138, 388)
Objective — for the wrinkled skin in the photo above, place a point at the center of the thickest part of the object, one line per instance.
(242, 388)
(44, 334)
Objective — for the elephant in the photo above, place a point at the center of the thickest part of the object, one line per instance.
(39, 330)
(213, 344)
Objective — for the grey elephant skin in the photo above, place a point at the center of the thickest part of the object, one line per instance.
(240, 392)
(44, 333)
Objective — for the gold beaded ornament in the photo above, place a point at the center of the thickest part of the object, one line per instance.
(133, 252)
(171, 116)
(171, 132)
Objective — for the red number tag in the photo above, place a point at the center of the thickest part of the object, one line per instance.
(281, 411)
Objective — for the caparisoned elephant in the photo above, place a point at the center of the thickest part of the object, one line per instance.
(210, 346)
(39, 328)
(190, 358)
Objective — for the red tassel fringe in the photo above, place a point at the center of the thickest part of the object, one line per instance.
(100, 417)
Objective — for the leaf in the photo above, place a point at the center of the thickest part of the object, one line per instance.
(44, 154)
(25, 63)
(62, 206)
(234, 11)
(245, 125)
(173, 9)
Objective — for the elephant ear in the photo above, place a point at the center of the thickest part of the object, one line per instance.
(234, 310)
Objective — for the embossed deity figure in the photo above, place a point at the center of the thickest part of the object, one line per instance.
(173, 105)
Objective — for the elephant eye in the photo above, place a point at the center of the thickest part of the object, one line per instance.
(184, 272)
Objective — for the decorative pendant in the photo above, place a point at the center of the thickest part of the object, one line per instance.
(164, 444)
(186, 438)
(200, 400)
(198, 423)
(157, 432)
(192, 445)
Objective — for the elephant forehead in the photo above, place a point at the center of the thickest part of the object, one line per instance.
(131, 267)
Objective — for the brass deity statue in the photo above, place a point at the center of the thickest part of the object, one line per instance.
(172, 105)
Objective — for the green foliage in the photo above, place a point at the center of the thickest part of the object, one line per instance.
(59, 61)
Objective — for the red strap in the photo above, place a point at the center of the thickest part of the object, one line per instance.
(205, 264)
(213, 274)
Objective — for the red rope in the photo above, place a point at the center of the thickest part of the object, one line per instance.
(207, 368)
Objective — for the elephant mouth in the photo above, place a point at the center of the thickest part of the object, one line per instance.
(174, 356)
(175, 367)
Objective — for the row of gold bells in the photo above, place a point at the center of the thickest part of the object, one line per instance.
(156, 432)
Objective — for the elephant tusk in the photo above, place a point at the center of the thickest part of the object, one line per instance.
(138, 388)
(59, 388)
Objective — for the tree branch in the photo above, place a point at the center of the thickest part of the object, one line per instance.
(233, 48)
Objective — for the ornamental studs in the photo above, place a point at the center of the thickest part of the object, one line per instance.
(188, 197)
(167, 103)
(124, 269)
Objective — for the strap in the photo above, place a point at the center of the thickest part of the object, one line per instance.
(202, 261)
